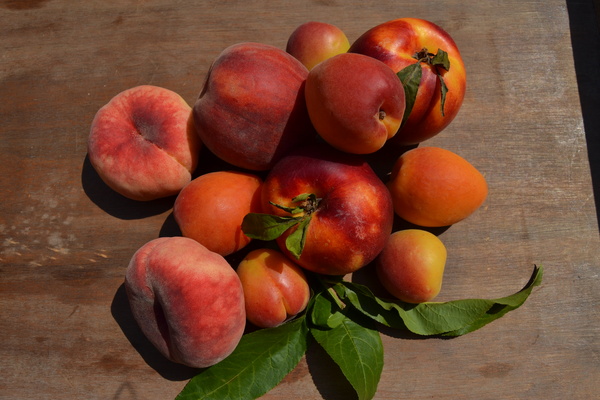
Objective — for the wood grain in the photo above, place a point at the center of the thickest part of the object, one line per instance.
(65, 238)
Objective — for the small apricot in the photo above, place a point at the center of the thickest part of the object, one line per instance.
(411, 265)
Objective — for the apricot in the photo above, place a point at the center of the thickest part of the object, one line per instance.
(411, 265)
(210, 209)
(275, 288)
(434, 187)
(143, 144)
(187, 300)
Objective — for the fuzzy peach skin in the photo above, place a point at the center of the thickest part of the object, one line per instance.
(187, 300)
(210, 209)
(355, 102)
(251, 110)
(395, 43)
(354, 216)
(275, 288)
(435, 187)
(411, 265)
(143, 144)
(314, 41)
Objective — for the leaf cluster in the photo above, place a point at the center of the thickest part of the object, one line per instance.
(343, 318)
(411, 75)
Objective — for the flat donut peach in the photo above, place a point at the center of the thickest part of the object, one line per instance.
(143, 144)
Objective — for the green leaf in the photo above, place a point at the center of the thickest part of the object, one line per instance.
(441, 60)
(410, 77)
(295, 241)
(324, 313)
(265, 226)
(291, 210)
(444, 91)
(259, 362)
(357, 350)
(503, 305)
(452, 318)
(304, 196)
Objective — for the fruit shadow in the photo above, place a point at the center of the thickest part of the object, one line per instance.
(327, 375)
(122, 314)
(115, 204)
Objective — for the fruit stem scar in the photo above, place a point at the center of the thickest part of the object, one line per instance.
(423, 56)
(310, 205)
(381, 115)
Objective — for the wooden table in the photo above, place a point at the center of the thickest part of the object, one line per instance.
(65, 239)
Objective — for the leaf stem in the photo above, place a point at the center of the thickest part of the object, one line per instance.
(328, 286)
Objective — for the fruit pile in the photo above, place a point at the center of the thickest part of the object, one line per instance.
(300, 130)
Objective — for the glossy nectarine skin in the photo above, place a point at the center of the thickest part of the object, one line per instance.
(354, 216)
(275, 288)
(143, 144)
(411, 265)
(187, 300)
(251, 110)
(435, 187)
(355, 102)
(210, 209)
(314, 41)
(395, 43)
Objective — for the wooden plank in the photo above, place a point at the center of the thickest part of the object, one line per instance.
(65, 239)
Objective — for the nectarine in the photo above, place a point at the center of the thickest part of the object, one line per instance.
(251, 110)
(405, 41)
(355, 102)
(351, 212)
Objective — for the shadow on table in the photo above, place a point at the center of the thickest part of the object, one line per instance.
(115, 204)
(585, 40)
(326, 375)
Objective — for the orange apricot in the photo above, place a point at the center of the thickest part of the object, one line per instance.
(434, 187)
(211, 208)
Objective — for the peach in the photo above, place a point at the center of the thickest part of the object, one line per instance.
(411, 265)
(143, 144)
(400, 43)
(351, 214)
(355, 102)
(251, 110)
(313, 42)
(275, 288)
(210, 209)
(434, 187)
(187, 300)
